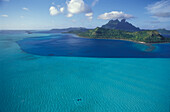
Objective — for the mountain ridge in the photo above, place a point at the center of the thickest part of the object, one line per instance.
(120, 25)
(148, 36)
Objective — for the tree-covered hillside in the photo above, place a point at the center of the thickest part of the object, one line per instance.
(150, 36)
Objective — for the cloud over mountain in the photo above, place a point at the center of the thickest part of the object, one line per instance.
(115, 15)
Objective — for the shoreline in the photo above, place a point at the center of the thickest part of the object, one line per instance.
(149, 45)
(141, 42)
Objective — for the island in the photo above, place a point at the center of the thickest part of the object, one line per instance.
(122, 30)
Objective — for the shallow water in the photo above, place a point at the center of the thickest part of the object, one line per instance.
(77, 84)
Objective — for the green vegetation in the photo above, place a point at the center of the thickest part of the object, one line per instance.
(150, 36)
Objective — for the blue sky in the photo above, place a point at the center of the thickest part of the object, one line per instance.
(48, 14)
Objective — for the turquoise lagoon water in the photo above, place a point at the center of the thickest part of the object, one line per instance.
(34, 83)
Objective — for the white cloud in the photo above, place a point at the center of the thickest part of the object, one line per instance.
(26, 9)
(53, 11)
(77, 6)
(89, 15)
(160, 10)
(115, 15)
(62, 9)
(4, 15)
(73, 7)
(69, 15)
(94, 2)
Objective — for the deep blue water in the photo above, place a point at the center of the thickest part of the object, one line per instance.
(38, 83)
(167, 36)
(70, 45)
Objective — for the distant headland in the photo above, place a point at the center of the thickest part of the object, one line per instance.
(121, 30)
